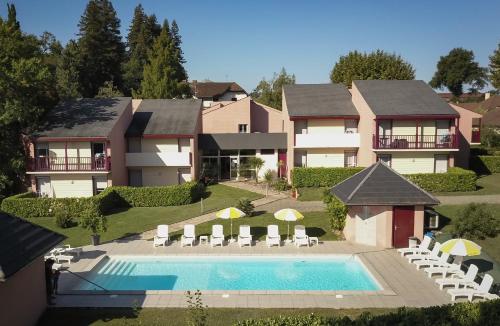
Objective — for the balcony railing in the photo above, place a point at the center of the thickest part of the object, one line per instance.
(476, 136)
(415, 142)
(64, 164)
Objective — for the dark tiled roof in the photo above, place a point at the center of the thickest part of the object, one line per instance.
(381, 185)
(214, 89)
(321, 100)
(21, 242)
(165, 117)
(402, 97)
(87, 117)
(242, 141)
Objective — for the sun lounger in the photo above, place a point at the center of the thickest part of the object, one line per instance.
(433, 261)
(217, 236)
(423, 247)
(433, 254)
(300, 238)
(442, 269)
(62, 258)
(479, 290)
(244, 238)
(161, 238)
(459, 279)
(273, 236)
(189, 236)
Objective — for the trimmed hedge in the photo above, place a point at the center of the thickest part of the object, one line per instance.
(486, 164)
(27, 205)
(456, 179)
(321, 177)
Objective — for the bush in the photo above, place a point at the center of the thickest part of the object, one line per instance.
(476, 221)
(321, 177)
(281, 185)
(95, 223)
(456, 179)
(246, 206)
(485, 164)
(337, 211)
(63, 219)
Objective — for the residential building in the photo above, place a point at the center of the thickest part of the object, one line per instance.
(22, 269)
(162, 142)
(469, 134)
(80, 150)
(213, 92)
(489, 108)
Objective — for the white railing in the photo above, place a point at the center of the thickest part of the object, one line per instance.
(332, 140)
(158, 159)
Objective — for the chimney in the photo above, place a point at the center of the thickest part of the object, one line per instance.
(487, 95)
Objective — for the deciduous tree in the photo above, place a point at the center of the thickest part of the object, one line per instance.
(269, 92)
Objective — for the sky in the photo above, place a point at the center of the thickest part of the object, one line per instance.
(244, 41)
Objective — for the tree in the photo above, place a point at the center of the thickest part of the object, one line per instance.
(108, 90)
(256, 163)
(269, 92)
(100, 46)
(26, 93)
(374, 65)
(495, 68)
(180, 73)
(160, 72)
(476, 221)
(456, 69)
(67, 72)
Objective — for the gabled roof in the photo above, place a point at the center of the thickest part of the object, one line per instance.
(402, 98)
(214, 89)
(381, 185)
(165, 117)
(242, 141)
(319, 100)
(85, 117)
(21, 242)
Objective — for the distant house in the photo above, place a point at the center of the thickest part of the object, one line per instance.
(467, 97)
(22, 269)
(490, 109)
(211, 92)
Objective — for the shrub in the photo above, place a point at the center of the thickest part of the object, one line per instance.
(268, 177)
(246, 206)
(321, 177)
(256, 163)
(63, 218)
(476, 221)
(281, 185)
(197, 311)
(456, 179)
(486, 164)
(337, 211)
(95, 223)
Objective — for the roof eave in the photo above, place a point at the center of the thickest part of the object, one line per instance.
(324, 117)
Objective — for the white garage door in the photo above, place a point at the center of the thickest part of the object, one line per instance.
(366, 227)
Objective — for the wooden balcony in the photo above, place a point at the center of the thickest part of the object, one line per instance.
(396, 142)
(66, 164)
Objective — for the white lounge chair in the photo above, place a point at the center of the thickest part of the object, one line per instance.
(431, 261)
(60, 258)
(244, 238)
(67, 249)
(433, 254)
(479, 290)
(300, 238)
(161, 238)
(189, 236)
(273, 236)
(443, 269)
(217, 236)
(423, 247)
(459, 279)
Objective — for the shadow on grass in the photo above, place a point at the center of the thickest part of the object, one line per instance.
(443, 221)
(482, 264)
(62, 316)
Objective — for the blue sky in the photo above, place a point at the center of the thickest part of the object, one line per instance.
(247, 40)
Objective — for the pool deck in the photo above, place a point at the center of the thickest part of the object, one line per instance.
(402, 284)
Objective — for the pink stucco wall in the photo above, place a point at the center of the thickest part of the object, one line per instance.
(265, 119)
(366, 127)
(194, 149)
(22, 296)
(118, 147)
(465, 135)
(289, 128)
(226, 118)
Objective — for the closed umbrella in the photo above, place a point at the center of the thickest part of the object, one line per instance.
(230, 213)
(289, 215)
(461, 247)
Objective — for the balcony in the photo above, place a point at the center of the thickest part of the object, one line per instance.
(69, 164)
(476, 137)
(397, 142)
(158, 159)
(344, 140)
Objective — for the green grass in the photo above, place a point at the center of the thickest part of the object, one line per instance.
(178, 316)
(486, 184)
(311, 193)
(139, 219)
(317, 225)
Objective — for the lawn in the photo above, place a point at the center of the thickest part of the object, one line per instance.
(317, 225)
(139, 219)
(178, 316)
(311, 193)
(486, 184)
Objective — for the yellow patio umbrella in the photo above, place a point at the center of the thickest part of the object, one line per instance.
(289, 215)
(461, 247)
(230, 213)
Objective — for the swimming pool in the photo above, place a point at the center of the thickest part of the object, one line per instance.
(328, 272)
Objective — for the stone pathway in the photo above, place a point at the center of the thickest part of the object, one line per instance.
(458, 200)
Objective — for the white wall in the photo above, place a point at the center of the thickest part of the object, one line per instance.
(159, 145)
(159, 176)
(326, 157)
(413, 162)
(270, 163)
(71, 185)
(325, 126)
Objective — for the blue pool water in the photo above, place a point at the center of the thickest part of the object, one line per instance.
(231, 273)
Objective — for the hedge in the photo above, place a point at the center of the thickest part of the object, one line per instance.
(27, 205)
(321, 177)
(456, 179)
(485, 164)
(464, 314)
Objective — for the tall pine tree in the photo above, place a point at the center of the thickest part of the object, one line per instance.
(101, 49)
(67, 72)
(495, 68)
(180, 72)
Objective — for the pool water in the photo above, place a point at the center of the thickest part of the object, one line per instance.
(231, 273)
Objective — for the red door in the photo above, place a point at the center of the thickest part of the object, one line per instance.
(402, 225)
(282, 164)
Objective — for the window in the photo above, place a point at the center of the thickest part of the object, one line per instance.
(42, 149)
(242, 128)
(386, 158)
(300, 158)
(100, 183)
(267, 151)
(351, 126)
(440, 163)
(135, 178)
(210, 152)
(350, 159)
(234, 99)
(247, 152)
(134, 145)
(229, 152)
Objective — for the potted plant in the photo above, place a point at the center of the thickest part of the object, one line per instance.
(95, 223)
